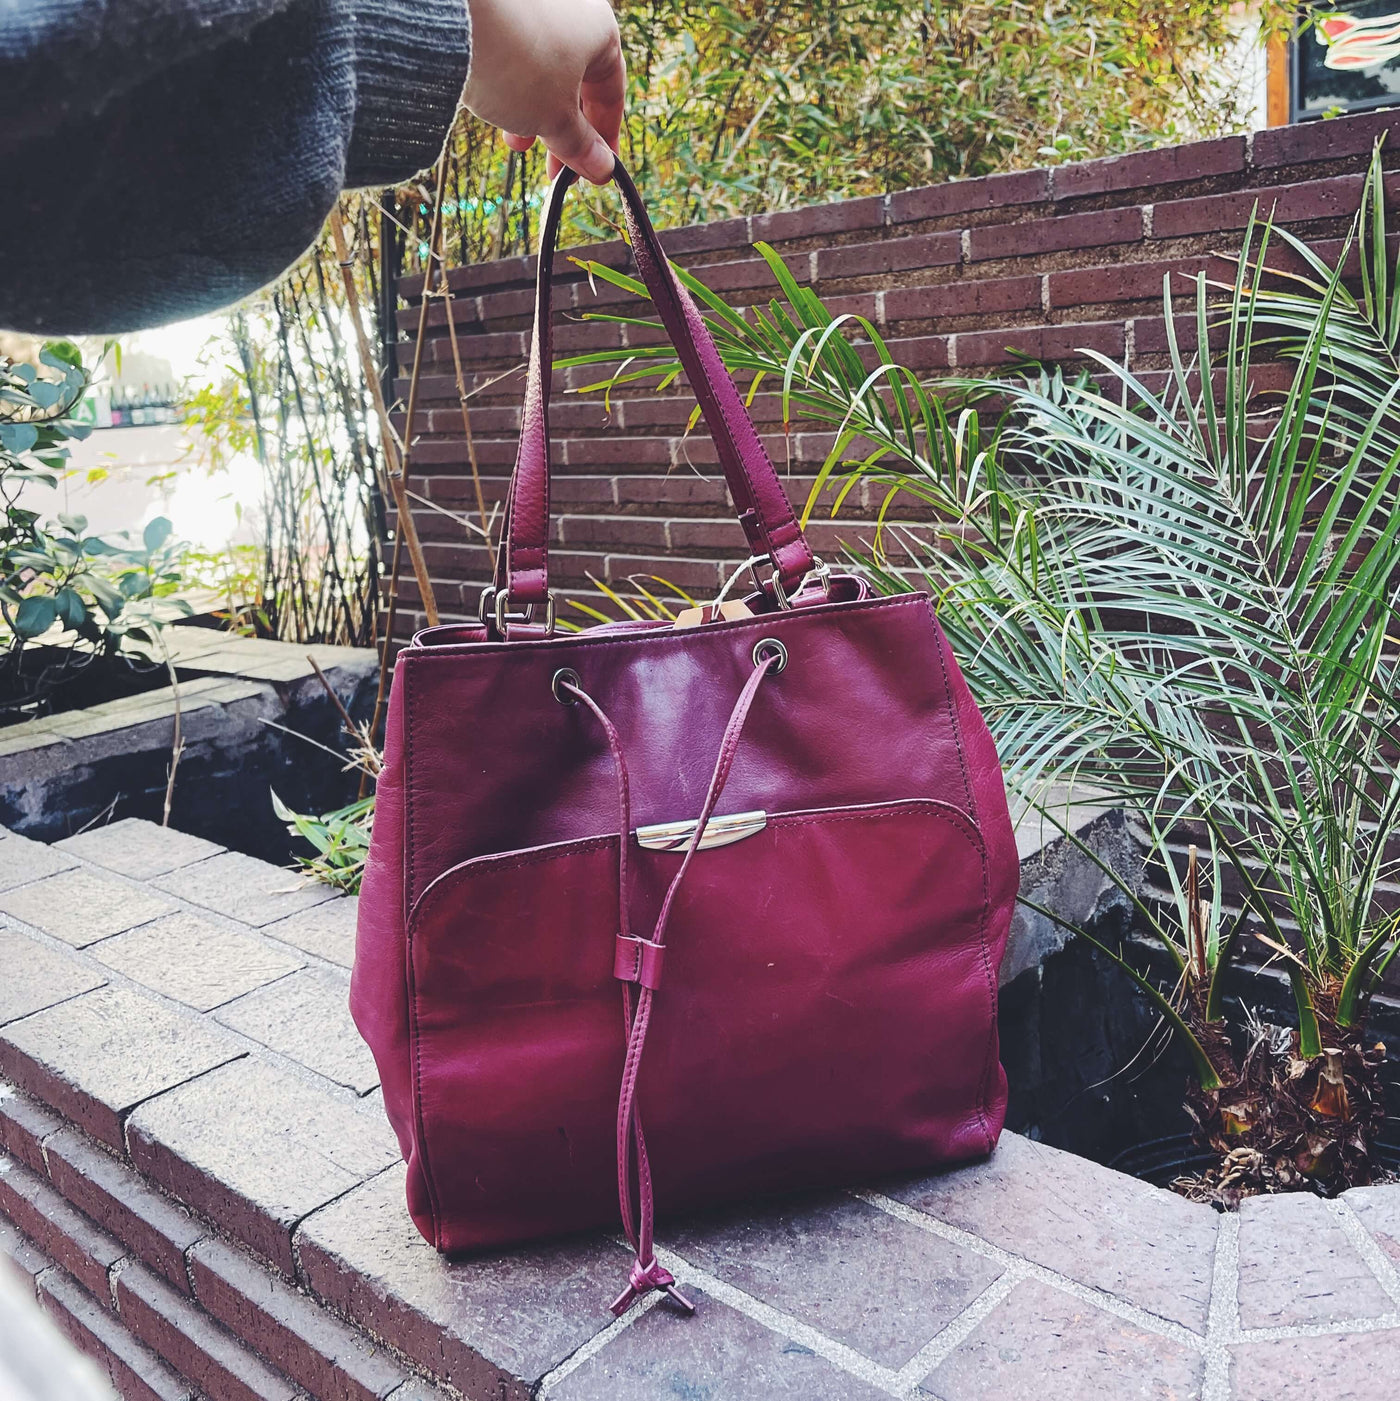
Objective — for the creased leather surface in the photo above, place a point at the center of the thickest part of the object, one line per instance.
(897, 922)
(795, 1040)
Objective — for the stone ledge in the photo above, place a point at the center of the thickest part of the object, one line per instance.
(60, 774)
(226, 1201)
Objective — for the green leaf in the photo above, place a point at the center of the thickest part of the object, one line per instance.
(35, 616)
(1309, 1034)
(1358, 980)
(109, 600)
(45, 393)
(18, 437)
(72, 611)
(61, 355)
(157, 532)
(1206, 1073)
(1215, 999)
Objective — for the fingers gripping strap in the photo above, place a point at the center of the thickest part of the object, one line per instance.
(762, 504)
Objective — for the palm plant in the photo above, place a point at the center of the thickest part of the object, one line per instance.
(1185, 603)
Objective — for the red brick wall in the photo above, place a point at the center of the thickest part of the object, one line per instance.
(957, 276)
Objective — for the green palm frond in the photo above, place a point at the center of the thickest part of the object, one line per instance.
(1184, 600)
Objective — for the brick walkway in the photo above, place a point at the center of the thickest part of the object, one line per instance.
(176, 1052)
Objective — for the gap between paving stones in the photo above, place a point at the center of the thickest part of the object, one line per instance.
(902, 1382)
(1222, 1328)
(89, 958)
(90, 961)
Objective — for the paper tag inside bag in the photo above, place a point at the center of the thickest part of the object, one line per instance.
(712, 613)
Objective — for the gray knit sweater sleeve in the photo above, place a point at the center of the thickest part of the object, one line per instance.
(163, 158)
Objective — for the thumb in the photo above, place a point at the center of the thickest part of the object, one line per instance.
(576, 144)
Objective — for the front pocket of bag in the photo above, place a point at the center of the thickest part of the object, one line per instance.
(826, 1012)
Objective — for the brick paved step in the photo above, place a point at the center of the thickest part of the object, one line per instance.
(200, 1186)
(163, 1302)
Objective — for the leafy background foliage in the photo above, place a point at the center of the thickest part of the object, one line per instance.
(104, 597)
(733, 108)
(757, 105)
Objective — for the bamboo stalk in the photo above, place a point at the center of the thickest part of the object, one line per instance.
(395, 454)
(445, 291)
(391, 611)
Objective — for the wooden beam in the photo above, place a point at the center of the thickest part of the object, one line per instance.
(1278, 82)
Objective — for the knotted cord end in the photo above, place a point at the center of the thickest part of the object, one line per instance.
(642, 1280)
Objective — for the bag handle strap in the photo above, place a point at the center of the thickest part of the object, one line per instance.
(762, 505)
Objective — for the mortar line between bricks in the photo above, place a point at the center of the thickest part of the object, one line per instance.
(1336, 1328)
(114, 1272)
(239, 996)
(1100, 1298)
(594, 1345)
(186, 1258)
(25, 884)
(118, 1267)
(57, 1002)
(114, 978)
(299, 1274)
(124, 1116)
(1223, 1317)
(46, 1271)
(838, 1354)
(1365, 1246)
(957, 1331)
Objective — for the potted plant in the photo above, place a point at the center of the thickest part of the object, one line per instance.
(1183, 603)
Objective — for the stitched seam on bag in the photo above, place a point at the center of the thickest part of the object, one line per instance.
(952, 705)
(505, 861)
(685, 636)
(895, 807)
(971, 830)
(934, 807)
(986, 879)
(413, 1033)
(717, 399)
(989, 1055)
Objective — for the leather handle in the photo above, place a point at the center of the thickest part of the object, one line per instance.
(763, 508)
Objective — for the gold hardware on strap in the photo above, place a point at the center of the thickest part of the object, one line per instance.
(719, 831)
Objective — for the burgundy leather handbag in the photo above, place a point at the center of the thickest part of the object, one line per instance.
(745, 883)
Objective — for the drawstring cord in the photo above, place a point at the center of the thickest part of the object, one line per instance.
(639, 961)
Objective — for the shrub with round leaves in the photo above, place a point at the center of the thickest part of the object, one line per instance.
(56, 578)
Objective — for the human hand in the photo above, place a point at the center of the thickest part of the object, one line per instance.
(551, 69)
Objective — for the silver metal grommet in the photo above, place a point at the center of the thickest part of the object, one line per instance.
(565, 676)
(767, 648)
